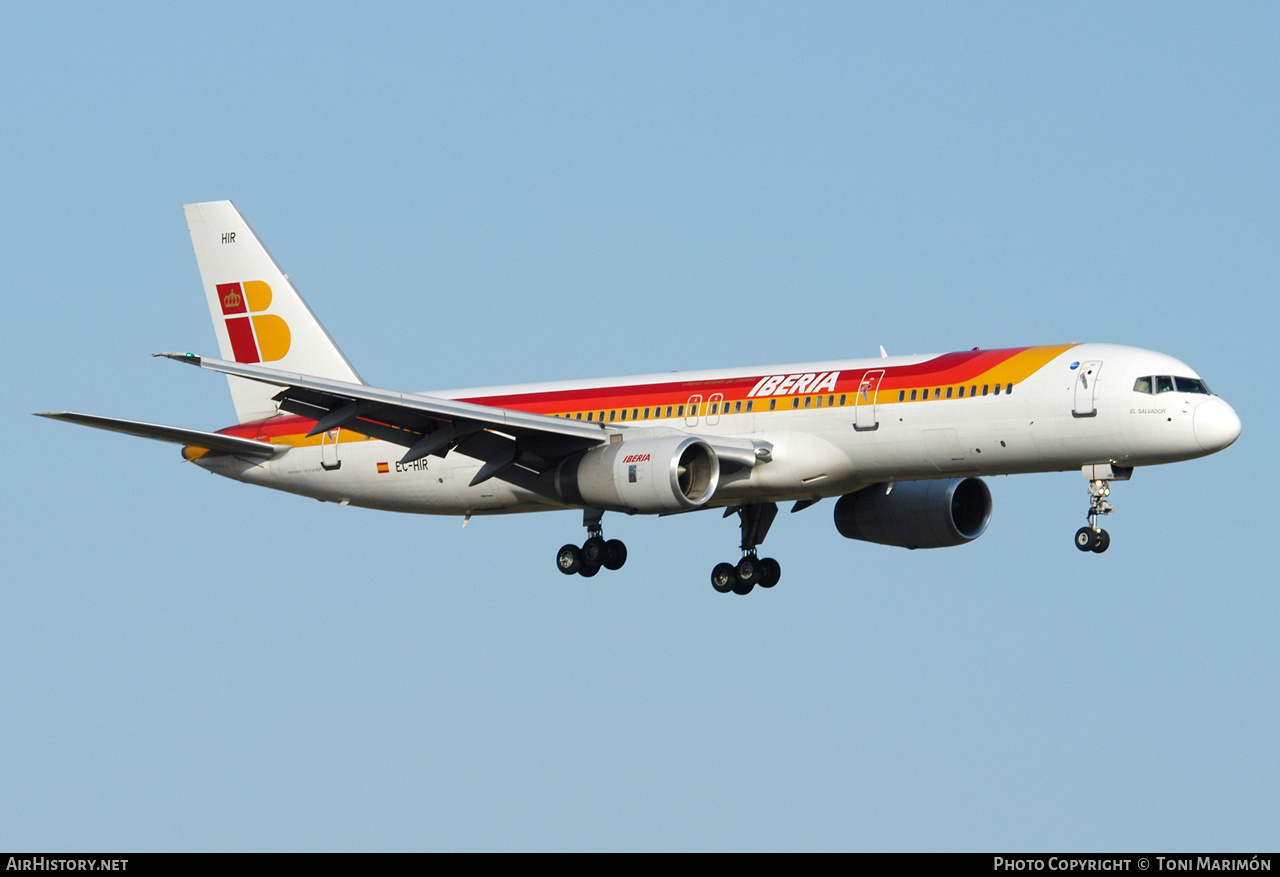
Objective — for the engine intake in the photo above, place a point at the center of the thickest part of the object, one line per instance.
(668, 474)
(916, 514)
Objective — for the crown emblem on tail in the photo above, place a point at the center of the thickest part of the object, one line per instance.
(231, 300)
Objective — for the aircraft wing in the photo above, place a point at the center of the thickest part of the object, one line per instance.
(214, 441)
(499, 437)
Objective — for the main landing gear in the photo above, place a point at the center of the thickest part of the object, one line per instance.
(1094, 538)
(594, 553)
(751, 570)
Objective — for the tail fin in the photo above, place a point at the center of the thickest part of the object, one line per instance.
(257, 314)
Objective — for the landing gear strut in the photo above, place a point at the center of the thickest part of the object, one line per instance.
(750, 570)
(1094, 538)
(594, 553)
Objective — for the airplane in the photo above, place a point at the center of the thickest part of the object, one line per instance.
(901, 441)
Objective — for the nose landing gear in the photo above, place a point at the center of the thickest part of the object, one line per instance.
(1094, 538)
(751, 570)
(594, 553)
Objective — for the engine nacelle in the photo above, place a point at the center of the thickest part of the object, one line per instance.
(667, 474)
(916, 514)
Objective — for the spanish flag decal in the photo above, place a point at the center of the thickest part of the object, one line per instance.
(383, 468)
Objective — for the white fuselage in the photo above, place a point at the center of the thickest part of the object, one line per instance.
(1052, 420)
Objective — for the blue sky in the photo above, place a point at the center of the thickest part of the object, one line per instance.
(481, 195)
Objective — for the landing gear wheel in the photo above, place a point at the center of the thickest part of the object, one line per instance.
(1086, 538)
(743, 588)
(569, 559)
(588, 571)
(1103, 542)
(615, 554)
(749, 571)
(594, 552)
(771, 571)
(724, 577)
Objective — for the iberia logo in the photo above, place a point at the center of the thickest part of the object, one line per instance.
(255, 336)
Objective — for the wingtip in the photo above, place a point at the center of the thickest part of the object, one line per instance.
(192, 358)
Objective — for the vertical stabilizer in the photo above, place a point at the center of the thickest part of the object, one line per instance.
(257, 314)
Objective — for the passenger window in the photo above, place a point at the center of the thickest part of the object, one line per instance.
(949, 390)
(1008, 388)
(749, 401)
(713, 407)
(624, 414)
(817, 402)
(669, 410)
(937, 392)
(635, 413)
(795, 402)
(902, 394)
(997, 390)
(842, 400)
(1191, 385)
(986, 388)
(807, 400)
(646, 414)
(1164, 384)
(831, 400)
(1142, 385)
(913, 395)
(601, 417)
(973, 391)
(693, 410)
(579, 415)
(737, 407)
(773, 403)
(679, 411)
(590, 414)
(613, 416)
(960, 395)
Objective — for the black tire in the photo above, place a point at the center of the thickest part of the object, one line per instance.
(743, 588)
(724, 577)
(772, 572)
(1086, 538)
(568, 559)
(1103, 543)
(749, 571)
(593, 552)
(615, 554)
(588, 571)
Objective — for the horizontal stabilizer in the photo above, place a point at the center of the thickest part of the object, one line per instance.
(214, 441)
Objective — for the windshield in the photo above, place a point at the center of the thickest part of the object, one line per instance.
(1192, 385)
(1167, 383)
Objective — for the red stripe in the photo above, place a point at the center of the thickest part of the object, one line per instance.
(948, 369)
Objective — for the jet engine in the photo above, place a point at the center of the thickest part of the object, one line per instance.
(916, 514)
(667, 474)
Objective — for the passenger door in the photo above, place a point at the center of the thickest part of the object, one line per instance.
(329, 450)
(1086, 389)
(864, 402)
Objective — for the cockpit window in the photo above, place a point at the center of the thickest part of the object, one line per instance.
(1142, 385)
(1192, 385)
(1164, 384)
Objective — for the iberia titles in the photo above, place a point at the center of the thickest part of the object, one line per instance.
(794, 385)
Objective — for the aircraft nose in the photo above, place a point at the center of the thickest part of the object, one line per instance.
(1216, 424)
